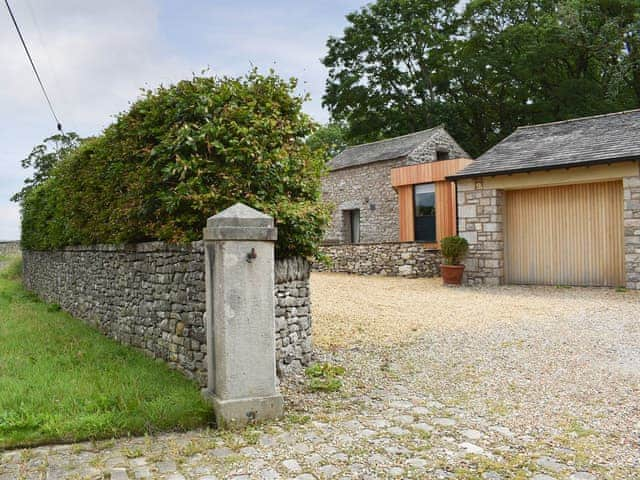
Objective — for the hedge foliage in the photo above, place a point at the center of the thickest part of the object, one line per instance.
(179, 155)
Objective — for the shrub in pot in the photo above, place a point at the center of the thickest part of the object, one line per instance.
(453, 251)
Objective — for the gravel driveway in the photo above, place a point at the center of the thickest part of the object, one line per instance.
(495, 383)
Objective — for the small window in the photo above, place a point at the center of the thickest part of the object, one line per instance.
(442, 155)
(352, 225)
(425, 212)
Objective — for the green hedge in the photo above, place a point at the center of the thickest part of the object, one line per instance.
(179, 155)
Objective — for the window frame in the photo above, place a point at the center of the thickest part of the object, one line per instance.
(435, 213)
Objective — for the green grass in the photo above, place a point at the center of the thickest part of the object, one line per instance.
(10, 267)
(324, 377)
(62, 381)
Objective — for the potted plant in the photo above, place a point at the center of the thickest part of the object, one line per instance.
(453, 250)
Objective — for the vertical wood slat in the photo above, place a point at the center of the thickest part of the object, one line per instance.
(405, 197)
(568, 235)
(446, 215)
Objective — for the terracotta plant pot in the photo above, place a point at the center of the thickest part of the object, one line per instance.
(452, 274)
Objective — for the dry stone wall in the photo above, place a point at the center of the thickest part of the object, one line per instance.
(392, 259)
(152, 296)
(9, 248)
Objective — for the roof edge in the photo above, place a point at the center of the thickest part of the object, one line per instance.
(544, 167)
(389, 139)
(578, 119)
(331, 169)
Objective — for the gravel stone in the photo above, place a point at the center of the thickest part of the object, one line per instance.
(221, 452)
(119, 474)
(403, 419)
(444, 422)
(423, 427)
(417, 462)
(582, 476)
(471, 434)
(249, 452)
(503, 431)
(269, 474)
(420, 411)
(471, 448)
(398, 431)
(314, 459)
(341, 457)
(491, 476)
(377, 459)
(176, 476)
(396, 472)
(292, 466)
(441, 474)
(328, 471)
(549, 463)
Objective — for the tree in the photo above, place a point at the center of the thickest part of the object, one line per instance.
(44, 157)
(605, 36)
(495, 66)
(387, 73)
(179, 155)
(330, 138)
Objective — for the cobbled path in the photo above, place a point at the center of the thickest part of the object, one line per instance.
(532, 396)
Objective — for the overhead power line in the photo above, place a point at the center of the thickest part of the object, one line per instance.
(33, 66)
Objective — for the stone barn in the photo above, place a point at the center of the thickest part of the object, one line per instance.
(392, 204)
(359, 186)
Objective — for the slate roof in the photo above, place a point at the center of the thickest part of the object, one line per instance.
(582, 141)
(382, 150)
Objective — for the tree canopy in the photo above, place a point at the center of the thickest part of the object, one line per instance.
(330, 139)
(406, 65)
(179, 155)
(44, 157)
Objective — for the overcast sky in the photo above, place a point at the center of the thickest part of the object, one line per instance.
(94, 56)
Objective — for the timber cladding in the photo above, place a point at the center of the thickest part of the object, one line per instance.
(403, 180)
(565, 235)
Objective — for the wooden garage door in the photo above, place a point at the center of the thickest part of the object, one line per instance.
(567, 235)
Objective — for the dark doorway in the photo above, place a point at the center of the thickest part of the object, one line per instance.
(352, 225)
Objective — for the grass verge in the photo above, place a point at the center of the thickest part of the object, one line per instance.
(62, 381)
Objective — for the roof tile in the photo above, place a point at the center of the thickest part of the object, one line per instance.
(613, 137)
(382, 150)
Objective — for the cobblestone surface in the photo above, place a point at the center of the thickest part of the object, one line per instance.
(536, 394)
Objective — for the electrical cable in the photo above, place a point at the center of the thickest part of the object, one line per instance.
(33, 66)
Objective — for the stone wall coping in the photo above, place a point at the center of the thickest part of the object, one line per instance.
(144, 247)
(292, 270)
(373, 244)
(286, 269)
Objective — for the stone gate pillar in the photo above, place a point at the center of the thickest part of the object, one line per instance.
(240, 319)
